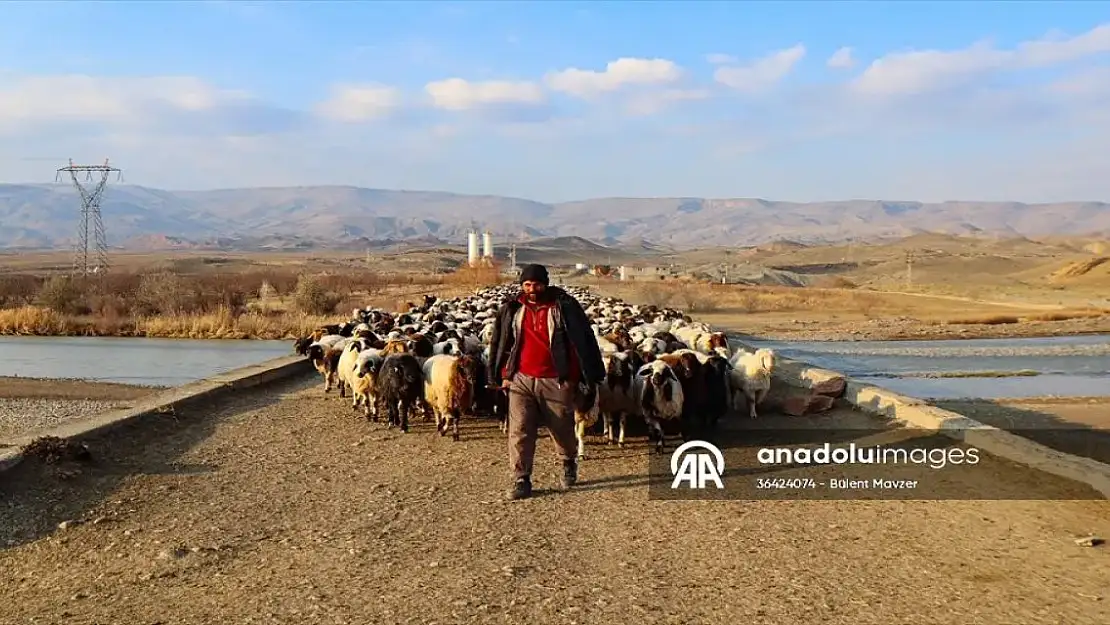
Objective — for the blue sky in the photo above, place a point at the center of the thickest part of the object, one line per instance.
(562, 101)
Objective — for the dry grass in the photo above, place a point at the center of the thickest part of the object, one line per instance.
(41, 321)
(254, 303)
(993, 320)
(705, 297)
(1090, 313)
(1063, 315)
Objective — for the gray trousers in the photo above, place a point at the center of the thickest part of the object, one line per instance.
(534, 402)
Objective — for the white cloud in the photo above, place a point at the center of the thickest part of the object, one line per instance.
(1090, 83)
(841, 59)
(456, 94)
(623, 72)
(762, 74)
(654, 102)
(34, 99)
(1055, 48)
(922, 71)
(360, 103)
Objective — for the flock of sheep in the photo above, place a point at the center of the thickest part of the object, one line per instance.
(430, 361)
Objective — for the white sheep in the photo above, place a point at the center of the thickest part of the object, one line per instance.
(345, 370)
(364, 379)
(701, 356)
(652, 346)
(688, 335)
(751, 377)
(606, 346)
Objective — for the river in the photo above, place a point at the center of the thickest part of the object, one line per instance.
(1063, 366)
(142, 361)
(1071, 365)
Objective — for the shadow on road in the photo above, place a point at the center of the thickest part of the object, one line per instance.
(1046, 428)
(36, 495)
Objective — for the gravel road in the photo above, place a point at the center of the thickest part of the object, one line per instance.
(32, 404)
(18, 416)
(279, 506)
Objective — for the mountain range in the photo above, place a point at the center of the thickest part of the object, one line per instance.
(44, 216)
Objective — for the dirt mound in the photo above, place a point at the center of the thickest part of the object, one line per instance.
(1079, 268)
(51, 450)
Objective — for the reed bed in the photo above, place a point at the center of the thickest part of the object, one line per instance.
(263, 304)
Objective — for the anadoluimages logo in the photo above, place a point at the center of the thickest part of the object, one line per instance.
(697, 468)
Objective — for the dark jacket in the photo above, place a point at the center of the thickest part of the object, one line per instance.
(568, 325)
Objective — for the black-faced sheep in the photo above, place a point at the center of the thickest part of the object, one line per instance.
(687, 368)
(616, 394)
(660, 396)
(400, 389)
(717, 371)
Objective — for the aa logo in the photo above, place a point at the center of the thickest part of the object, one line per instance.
(697, 468)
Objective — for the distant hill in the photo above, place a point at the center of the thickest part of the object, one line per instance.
(45, 215)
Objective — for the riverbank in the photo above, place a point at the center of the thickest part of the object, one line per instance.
(840, 314)
(32, 404)
(820, 327)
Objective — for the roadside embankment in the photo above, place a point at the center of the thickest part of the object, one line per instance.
(920, 414)
(34, 404)
(158, 403)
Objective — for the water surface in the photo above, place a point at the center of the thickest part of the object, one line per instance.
(132, 360)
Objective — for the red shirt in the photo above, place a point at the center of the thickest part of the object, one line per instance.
(535, 347)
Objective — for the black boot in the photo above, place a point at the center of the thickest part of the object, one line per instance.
(570, 473)
(521, 490)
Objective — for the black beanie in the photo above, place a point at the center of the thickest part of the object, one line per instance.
(535, 273)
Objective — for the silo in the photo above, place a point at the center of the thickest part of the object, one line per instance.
(624, 273)
(472, 248)
(487, 244)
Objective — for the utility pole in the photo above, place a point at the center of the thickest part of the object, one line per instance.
(90, 217)
(909, 270)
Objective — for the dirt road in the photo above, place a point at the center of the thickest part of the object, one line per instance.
(279, 506)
